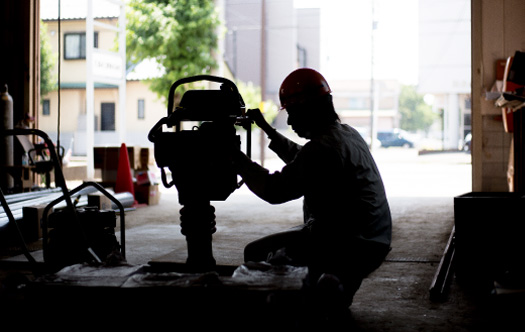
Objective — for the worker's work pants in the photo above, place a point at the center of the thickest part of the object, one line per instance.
(349, 262)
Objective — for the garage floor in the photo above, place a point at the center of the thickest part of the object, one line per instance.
(393, 298)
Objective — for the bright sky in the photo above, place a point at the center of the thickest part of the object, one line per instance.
(77, 8)
(346, 38)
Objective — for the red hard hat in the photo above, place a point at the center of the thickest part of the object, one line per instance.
(301, 85)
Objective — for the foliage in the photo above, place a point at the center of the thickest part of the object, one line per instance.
(48, 81)
(415, 113)
(251, 95)
(181, 35)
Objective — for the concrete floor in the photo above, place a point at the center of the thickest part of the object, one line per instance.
(393, 298)
(396, 296)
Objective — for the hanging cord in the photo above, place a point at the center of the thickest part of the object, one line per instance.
(59, 61)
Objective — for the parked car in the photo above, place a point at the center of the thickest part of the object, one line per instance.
(366, 136)
(468, 141)
(394, 137)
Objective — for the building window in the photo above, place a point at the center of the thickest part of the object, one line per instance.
(75, 45)
(46, 105)
(140, 109)
(467, 119)
(468, 104)
(107, 117)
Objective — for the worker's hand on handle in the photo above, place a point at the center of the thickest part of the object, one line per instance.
(257, 117)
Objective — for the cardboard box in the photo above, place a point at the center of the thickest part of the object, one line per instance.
(101, 201)
(143, 159)
(107, 158)
(145, 178)
(31, 225)
(148, 194)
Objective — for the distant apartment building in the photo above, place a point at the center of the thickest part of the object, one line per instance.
(353, 102)
(263, 47)
(444, 65)
(293, 40)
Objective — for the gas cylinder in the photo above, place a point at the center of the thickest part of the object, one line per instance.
(6, 142)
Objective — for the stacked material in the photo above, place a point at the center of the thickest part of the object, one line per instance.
(16, 202)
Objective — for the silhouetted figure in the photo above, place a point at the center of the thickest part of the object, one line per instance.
(347, 226)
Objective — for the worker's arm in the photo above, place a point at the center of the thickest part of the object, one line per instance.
(275, 188)
(282, 146)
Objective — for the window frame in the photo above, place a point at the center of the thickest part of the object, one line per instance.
(108, 112)
(141, 112)
(82, 36)
(46, 107)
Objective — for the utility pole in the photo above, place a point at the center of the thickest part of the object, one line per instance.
(90, 93)
(373, 125)
(263, 74)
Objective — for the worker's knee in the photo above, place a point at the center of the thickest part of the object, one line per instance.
(253, 252)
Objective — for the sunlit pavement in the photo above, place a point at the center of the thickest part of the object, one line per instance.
(407, 173)
(419, 187)
(441, 174)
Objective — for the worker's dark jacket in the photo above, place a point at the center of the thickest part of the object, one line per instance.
(345, 203)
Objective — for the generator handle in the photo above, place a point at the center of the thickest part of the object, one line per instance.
(196, 78)
(156, 129)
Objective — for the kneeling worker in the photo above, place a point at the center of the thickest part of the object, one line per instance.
(347, 226)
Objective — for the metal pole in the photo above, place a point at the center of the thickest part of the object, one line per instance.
(234, 34)
(263, 75)
(122, 85)
(90, 93)
(59, 74)
(372, 82)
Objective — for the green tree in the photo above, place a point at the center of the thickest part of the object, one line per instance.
(251, 95)
(48, 81)
(415, 113)
(181, 35)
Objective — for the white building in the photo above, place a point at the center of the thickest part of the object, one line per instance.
(445, 65)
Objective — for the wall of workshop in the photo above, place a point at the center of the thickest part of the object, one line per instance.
(19, 56)
(497, 32)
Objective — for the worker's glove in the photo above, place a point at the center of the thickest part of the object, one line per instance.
(257, 117)
(279, 257)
